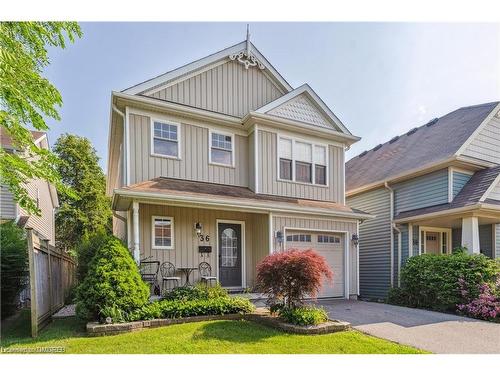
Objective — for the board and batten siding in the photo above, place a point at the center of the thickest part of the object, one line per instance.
(7, 204)
(374, 243)
(486, 145)
(193, 164)
(423, 191)
(312, 224)
(270, 184)
(459, 181)
(251, 161)
(186, 242)
(228, 88)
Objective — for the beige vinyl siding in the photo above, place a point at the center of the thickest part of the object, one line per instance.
(7, 204)
(251, 159)
(185, 251)
(43, 224)
(193, 164)
(268, 173)
(280, 222)
(120, 226)
(228, 88)
(486, 145)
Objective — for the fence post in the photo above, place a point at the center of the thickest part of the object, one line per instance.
(32, 269)
(49, 276)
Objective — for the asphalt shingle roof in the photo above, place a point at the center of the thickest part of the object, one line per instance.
(436, 141)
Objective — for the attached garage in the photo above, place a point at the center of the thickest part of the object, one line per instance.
(330, 245)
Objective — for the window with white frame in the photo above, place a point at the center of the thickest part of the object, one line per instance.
(163, 232)
(328, 239)
(166, 139)
(301, 161)
(299, 238)
(221, 149)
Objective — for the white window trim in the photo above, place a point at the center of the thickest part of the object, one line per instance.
(179, 138)
(422, 244)
(172, 243)
(313, 164)
(210, 132)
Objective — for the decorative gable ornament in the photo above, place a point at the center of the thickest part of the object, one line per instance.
(246, 57)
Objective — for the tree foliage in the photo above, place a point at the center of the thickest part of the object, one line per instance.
(26, 100)
(91, 212)
(290, 276)
(14, 271)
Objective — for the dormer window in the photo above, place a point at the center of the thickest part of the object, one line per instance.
(165, 139)
(221, 149)
(301, 161)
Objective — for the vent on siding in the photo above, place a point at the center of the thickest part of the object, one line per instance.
(432, 122)
(412, 131)
(394, 139)
(377, 147)
(363, 154)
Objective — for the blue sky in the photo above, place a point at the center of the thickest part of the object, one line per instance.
(380, 79)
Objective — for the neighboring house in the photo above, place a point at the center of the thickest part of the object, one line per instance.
(432, 189)
(223, 161)
(41, 191)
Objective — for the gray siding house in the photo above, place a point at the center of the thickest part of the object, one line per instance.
(222, 161)
(44, 194)
(432, 189)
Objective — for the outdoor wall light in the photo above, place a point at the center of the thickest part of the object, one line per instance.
(198, 228)
(279, 236)
(355, 239)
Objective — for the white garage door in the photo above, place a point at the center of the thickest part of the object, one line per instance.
(328, 245)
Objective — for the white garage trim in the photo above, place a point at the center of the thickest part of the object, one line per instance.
(346, 250)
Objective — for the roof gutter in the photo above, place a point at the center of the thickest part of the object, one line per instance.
(224, 203)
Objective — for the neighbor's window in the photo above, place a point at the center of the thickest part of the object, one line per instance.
(285, 155)
(166, 139)
(163, 232)
(302, 161)
(221, 149)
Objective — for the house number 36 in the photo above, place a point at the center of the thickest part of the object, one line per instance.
(205, 237)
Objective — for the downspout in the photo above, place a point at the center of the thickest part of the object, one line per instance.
(391, 191)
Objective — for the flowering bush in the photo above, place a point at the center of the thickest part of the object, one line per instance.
(288, 277)
(486, 306)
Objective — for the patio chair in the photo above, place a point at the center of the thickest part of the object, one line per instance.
(205, 270)
(149, 274)
(168, 272)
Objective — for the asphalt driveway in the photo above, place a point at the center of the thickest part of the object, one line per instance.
(428, 330)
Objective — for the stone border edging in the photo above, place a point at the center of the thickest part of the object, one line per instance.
(260, 316)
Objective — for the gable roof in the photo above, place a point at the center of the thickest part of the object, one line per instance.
(472, 193)
(197, 65)
(436, 141)
(312, 109)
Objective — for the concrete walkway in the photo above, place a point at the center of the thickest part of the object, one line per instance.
(427, 330)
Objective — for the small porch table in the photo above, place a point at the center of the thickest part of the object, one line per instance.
(187, 272)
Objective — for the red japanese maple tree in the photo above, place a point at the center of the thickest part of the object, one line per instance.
(290, 276)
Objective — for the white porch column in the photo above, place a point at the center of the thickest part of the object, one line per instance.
(135, 220)
(470, 234)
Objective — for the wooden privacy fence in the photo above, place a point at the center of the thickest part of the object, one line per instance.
(52, 274)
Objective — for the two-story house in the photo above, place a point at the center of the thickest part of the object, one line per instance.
(432, 189)
(222, 161)
(41, 191)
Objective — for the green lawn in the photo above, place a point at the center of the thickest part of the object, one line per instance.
(222, 336)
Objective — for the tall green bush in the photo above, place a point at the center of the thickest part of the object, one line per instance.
(112, 280)
(432, 281)
(14, 269)
(86, 250)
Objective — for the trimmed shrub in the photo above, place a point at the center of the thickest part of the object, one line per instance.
(14, 270)
(198, 291)
(432, 281)
(169, 309)
(112, 280)
(86, 250)
(290, 276)
(303, 315)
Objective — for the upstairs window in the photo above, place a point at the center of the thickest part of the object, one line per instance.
(304, 162)
(221, 149)
(166, 139)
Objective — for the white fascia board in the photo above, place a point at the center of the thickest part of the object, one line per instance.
(231, 203)
(305, 88)
(198, 64)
